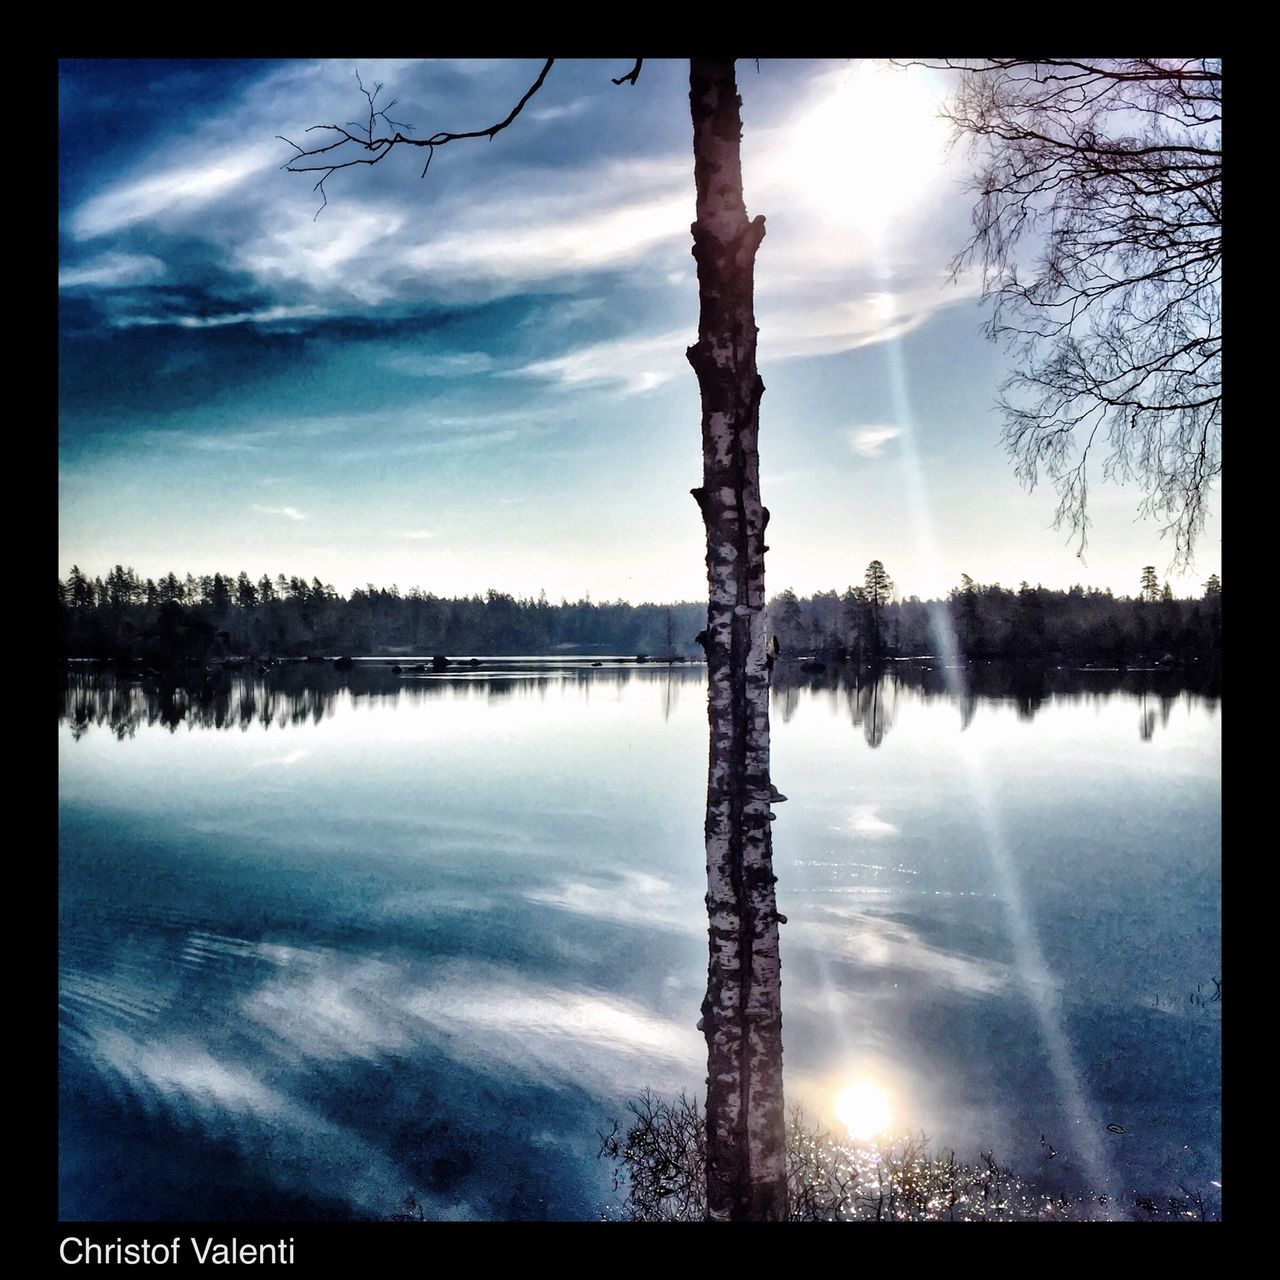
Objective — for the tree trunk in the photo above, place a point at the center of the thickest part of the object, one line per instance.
(742, 1012)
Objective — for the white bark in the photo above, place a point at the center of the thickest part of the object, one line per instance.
(742, 1019)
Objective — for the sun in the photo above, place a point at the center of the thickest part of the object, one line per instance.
(864, 1109)
(870, 148)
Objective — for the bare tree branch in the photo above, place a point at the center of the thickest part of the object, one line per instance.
(633, 75)
(1098, 231)
(382, 145)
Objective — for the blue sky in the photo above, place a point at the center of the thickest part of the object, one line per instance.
(478, 379)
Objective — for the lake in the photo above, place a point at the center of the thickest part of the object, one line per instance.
(331, 939)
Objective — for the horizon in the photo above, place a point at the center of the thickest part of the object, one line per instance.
(483, 375)
(896, 596)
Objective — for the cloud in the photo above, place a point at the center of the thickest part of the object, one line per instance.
(866, 822)
(485, 236)
(418, 535)
(355, 256)
(870, 441)
(886, 948)
(545, 114)
(291, 512)
(329, 1007)
(458, 364)
(632, 898)
(796, 326)
(551, 241)
(111, 270)
(185, 189)
(249, 442)
(290, 758)
(638, 364)
(265, 315)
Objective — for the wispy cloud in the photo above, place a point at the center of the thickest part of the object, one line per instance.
(792, 328)
(560, 112)
(868, 824)
(291, 513)
(148, 198)
(869, 442)
(457, 364)
(264, 315)
(634, 898)
(638, 364)
(111, 270)
(291, 757)
(552, 241)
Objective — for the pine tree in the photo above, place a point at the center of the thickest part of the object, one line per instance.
(879, 590)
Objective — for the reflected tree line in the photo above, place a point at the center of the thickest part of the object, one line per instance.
(242, 696)
(871, 692)
(299, 693)
(194, 621)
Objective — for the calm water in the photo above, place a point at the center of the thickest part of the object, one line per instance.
(330, 940)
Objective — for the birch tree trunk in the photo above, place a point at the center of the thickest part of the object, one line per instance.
(742, 1012)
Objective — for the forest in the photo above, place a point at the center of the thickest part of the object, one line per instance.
(193, 621)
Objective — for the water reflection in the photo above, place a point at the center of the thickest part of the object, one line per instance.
(430, 939)
(301, 693)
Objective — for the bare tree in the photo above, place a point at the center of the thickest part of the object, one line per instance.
(741, 1015)
(1098, 231)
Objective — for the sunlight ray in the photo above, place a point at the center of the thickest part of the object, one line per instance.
(1037, 979)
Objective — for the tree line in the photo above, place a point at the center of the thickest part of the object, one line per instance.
(988, 621)
(193, 620)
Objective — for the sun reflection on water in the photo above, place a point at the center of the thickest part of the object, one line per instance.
(864, 1109)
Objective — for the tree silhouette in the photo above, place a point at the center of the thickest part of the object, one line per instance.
(741, 1014)
(878, 590)
(878, 586)
(965, 600)
(1116, 323)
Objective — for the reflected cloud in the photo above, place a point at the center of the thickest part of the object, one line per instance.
(632, 898)
(889, 948)
(332, 1008)
(866, 824)
(274, 1022)
(339, 1007)
(291, 757)
(565, 1034)
(188, 1083)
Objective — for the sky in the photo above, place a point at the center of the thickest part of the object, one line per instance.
(477, 379)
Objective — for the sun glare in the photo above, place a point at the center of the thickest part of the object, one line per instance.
(863, 1108)
(868, 151)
